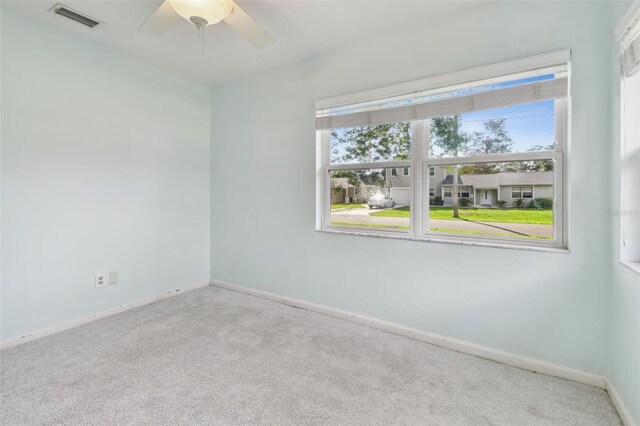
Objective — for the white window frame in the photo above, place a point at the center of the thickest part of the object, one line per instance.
(394, 172)
(626, 32)
(432, 171)
(405, 171)
(432, 190)
(420, 160)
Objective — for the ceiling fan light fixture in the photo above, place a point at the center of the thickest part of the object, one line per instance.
(209, 11)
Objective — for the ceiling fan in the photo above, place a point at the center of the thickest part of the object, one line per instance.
(206, 12)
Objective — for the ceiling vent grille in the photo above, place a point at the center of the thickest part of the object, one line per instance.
(74, 15)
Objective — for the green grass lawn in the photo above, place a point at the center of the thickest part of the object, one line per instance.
(537, 217)
(340, 206)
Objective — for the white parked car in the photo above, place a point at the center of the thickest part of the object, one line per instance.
(381, 201)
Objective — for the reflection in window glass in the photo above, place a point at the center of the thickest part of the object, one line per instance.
(513, 200)
(371, 199)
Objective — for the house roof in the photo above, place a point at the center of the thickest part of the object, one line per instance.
(500, 179)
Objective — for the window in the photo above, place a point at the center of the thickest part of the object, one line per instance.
(463, 191)
(629, 209)
(493, 139)
(522, 192)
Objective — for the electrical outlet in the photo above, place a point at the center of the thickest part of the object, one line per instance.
(114, 278)
(101, 279)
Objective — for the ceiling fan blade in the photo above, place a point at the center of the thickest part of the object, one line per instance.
(160, 21)
(248, 28)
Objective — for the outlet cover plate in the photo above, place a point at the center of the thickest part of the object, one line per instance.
(101, 279)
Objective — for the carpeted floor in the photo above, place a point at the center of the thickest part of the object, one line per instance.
(213, 356)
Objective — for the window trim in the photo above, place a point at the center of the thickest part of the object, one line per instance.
(500, 69)
(627, 30)
(419, 223)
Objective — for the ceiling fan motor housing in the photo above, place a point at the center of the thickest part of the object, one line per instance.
(202, 12)
(198, 21)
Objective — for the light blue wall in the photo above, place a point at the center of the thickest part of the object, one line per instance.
(549, 306)
(625, 337)
(105, 167)
(625, 284)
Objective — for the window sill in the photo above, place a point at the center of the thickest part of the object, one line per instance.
(445, 241)
(634, 266)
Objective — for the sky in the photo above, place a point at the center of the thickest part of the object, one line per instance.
(527, 125)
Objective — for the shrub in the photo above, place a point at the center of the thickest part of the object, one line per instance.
(519, 203)
(501, 204)
(436, 201)
(464, 202)
(541, 204)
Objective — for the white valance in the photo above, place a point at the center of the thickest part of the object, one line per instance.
(556, 88)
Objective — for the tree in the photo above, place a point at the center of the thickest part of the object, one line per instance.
(385, 142)
(446, 134)
(493, 140)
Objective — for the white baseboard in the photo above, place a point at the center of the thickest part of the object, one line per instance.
(618, 402)
(28, 337)
(525, 363)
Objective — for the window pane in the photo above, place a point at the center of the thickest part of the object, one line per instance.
(387, 142)
(519, 128)
(370, 199)
(493, 201)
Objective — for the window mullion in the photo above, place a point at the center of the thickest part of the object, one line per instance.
(426, 177)
(417, 191)
(326, 150)
(374, 165)
(493, 158)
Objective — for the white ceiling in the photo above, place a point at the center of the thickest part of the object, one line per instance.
(302, 28)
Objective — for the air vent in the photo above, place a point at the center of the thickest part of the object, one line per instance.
(62, 10)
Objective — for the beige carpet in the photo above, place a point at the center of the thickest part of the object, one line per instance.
(212, 356)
